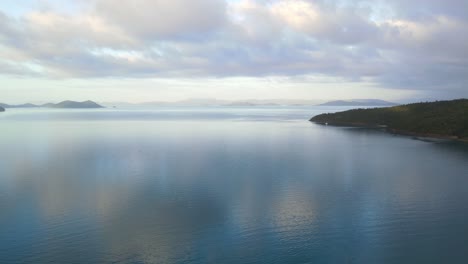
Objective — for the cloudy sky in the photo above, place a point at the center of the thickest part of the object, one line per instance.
(168, 50)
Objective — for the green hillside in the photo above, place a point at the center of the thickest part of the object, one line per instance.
(441, 118)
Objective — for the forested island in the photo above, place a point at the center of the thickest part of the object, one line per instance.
(440, 119)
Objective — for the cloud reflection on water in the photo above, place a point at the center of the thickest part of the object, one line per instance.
(201, 191)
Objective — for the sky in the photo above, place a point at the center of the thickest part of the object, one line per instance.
(170, 50)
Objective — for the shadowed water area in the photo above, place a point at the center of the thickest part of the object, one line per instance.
(224, 185)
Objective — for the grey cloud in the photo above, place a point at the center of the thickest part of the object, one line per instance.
(7, 67)
(413, 49)
(424, 9)
(164, 19)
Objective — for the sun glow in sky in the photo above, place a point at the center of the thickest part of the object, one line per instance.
(145, 50)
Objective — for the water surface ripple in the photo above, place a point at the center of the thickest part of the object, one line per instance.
(224, 185)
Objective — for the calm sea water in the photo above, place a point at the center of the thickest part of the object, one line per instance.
(224, 185)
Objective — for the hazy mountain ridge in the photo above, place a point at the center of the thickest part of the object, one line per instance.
(219, 102)
(73, 104)
(63, 104)
(28, 105)
(194, 102)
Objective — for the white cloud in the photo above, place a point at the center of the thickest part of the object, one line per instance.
(413, 48)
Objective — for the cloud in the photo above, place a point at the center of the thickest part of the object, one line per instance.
(338, 25)
(396, 44)
(156, 20)
(426, 9)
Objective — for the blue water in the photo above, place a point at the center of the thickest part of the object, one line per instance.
(224, 185)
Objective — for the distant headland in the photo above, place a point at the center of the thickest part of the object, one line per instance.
(2, 109)
(64, 104)
(440, 119)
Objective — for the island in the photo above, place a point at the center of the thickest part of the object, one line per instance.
(18, 106)
(358, 102)
(2, 109)
(73, 104)
(440, 119)
(64, 104)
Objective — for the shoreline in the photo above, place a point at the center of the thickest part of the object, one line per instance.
(421, 136)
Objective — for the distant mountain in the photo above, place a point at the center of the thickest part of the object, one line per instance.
(64, 104)
(73, 104)
(48, 105)
(218, 102)
(18, 106)
(244, 104)
(28, 105)
(435, 119)
(359, 102)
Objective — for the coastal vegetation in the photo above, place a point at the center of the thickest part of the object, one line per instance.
(447, 119)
